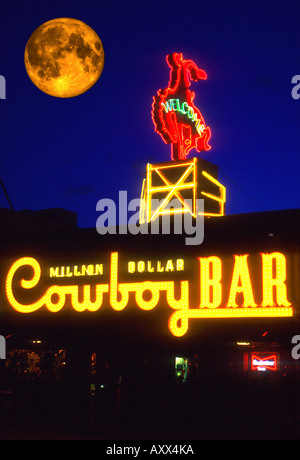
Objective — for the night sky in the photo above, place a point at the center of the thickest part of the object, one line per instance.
(70, 153)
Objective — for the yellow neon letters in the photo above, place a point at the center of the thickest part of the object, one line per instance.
(148, 266)
(210, 286)
(147, 294)
(55, 297)
(277, 280)
(83, 270)
(241, 283)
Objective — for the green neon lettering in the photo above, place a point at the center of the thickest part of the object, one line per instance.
(167, 106)
(190, 112)
(173, 104)
(185, 109)
(180, 109)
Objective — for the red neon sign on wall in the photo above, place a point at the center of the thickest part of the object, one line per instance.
(176, 118)
(261, 362)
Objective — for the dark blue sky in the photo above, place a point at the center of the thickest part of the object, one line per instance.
(70, 153)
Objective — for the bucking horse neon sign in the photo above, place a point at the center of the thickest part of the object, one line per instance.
(176, 118)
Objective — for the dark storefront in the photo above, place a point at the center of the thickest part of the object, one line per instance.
(126, 360)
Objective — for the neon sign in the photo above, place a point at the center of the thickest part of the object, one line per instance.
(261, 362)
(76, 270)
(165, 181)
(148, 266)
(241, 302)
(178, 121)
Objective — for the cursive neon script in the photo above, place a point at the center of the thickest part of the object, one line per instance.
(177, 106)
(274, 292)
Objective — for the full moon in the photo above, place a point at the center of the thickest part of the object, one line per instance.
(64, 57)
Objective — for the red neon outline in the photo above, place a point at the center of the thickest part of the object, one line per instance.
(174, 128)
(271, 368)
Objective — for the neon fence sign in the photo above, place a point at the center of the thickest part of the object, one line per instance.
(176, 118)
(241, 302)
(190, 177)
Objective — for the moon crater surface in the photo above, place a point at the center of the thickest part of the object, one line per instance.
(64, 57)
